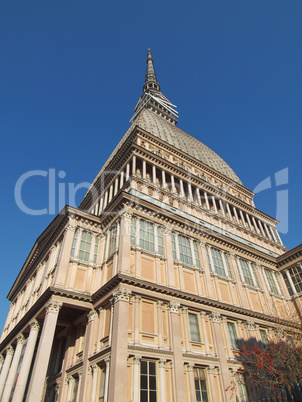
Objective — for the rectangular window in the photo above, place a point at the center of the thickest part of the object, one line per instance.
(287, 283)
(133, 231)
(217, 261)
(74, 242)
(194, 327)
(96, 245)
(233, 335)
(242, 388)
(173, 246)
(200, 385)
(146, 233)
(160, 241)
(263, 336)
(196, 254)
(247, 275)
(270, 275)
(85, 246)
(185, 252)
(148, 381)
(296, 275)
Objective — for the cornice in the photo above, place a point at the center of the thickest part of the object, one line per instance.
(290, 257)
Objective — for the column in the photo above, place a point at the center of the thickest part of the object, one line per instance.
(236, 215)
(136, 378)
(226, 337)
(214, 204)
(79, 385)
(100, 328)
(160, 324)
(190, 192)
(26, 363)
(229, 211)
(137, 300)
(242, 218)
(205, 332)
(219, 347)
(124, 247)
(121, 179)
(95, 369)
(163, 175)
(1, 361)
(119, 345)
(182, 192)
(127, 171)
(69, 381)
(249, 221)
(207, 200)
(144, 169)
(115, 186)
(170, 276)
(255, 225)
(133, 167)
(6, 366)
(212, 383)
(207, 276)
(107, 361)
(153, 174)
(110, 193)
(190, 369)
(198, 197)
(13, 369)
(172, 183)
(162, 380)
(221, 207)
(36, 386)
(184, 311)
(179, 380)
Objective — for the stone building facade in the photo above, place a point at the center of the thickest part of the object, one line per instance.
(144, 291)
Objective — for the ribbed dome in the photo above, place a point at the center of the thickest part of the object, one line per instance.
(174, 136)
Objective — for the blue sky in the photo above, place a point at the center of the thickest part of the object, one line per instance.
(72, 72)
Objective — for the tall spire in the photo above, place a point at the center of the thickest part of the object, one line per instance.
(152, 99)
(151, 80)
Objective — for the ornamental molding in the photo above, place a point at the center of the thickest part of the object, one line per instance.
(215, 317)
(92, 315)
(150, 350)
(126, 213)
(53, 307)
(173, 307)
(121, 294)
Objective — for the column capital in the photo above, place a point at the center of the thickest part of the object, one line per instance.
(53, 307)
(1, 359)
(94, 368)
(161, 363)
(92, 315)
(215, 317)
(190, 366)
(121, 294)
(211, 369)
(126, 213)
(167, 229)
(173, 307)
(231, 255)
(223, 319)
(136, 359)
(203, 314)
(137, 298)
(107, 360)
(69, 378)
(250, 325)
(184, 310)
(20, 338)
(159, 303)
(10, 350)
(202, 243)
